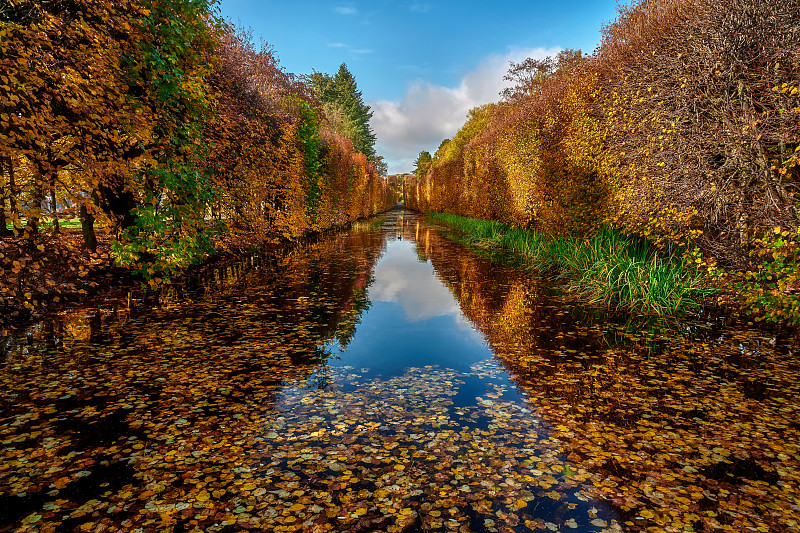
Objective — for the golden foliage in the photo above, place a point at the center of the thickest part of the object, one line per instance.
(213, 152)
(535, 161)
(683, 127)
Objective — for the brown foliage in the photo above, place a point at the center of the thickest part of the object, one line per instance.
(698, 117)
(254, 150)
(65, 116)
(532, 161)
(87, 128)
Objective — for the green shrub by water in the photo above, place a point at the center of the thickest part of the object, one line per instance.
(607, 268)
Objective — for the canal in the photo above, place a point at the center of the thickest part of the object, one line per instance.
(388, 379)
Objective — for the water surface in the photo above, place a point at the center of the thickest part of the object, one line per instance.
(391, 380)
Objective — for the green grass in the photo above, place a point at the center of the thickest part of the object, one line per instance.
(608, 268)
(69, 223)
(368, 225)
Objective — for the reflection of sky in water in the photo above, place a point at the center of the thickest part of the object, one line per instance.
(413, 321)
(400, 277)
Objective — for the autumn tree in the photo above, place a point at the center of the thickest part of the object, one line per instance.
(533, 160)
(67, 119)
(256, 163)
(698, 98)
(529, 75)
(156, 119)
(281, 166)
(477, 121)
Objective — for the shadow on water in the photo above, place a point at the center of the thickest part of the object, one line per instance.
(390, 379)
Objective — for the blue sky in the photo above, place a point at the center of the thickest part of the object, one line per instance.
(420, 65)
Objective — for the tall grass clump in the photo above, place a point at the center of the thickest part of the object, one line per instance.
(618, 270)
(607, 268)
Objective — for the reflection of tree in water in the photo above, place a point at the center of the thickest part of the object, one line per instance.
(321, 288)
(321, 377)
(161, 399)
(683, 425)
(347, 327)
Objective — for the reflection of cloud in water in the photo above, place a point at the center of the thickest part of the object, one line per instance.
(403, 279)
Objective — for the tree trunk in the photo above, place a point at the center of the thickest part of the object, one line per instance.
(87, 226)
(12, 197)
(114, 199)
(4, 217)
(35, 211)
(54, 206)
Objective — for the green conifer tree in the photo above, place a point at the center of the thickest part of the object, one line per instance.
(344, 105)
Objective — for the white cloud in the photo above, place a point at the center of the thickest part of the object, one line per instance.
(354, 53)
(420, 8)
(430, 113)
(345, 10)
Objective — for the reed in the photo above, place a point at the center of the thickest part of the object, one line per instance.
(607, 268)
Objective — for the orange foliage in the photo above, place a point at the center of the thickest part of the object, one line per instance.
(683, 127)
(223, 161)
(260, 165)
(535, 161)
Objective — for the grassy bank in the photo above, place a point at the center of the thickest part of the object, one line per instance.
(608, 268)
(370, 224)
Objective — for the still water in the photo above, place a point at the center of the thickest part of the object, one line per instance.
(391, 380)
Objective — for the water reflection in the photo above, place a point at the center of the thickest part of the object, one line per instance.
(400, 277)
(684, 426)
(413, 320)
(390, 380)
